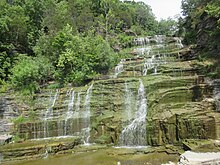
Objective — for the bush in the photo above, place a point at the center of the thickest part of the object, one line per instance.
(29, 73)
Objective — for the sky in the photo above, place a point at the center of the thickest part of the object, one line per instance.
(163, 9)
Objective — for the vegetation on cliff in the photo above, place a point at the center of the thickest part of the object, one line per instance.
(68, 41)
(72, 41)
(202, 28)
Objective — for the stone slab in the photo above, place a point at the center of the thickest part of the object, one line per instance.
(197, 158)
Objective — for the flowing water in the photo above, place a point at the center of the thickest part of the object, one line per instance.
(119, 68)
(75, 119)
(128, 102)
(49, 113)
(69, 113)
(110, 156)
(216, 93)
(86, 115)
(135, 133)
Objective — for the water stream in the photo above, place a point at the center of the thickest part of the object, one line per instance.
(86, 115)
(128, 102)
(135, 133)
(216, 93)
(49, 113)
(119, 68)
(69, 113)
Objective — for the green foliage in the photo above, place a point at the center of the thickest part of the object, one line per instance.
(4, 86)
(29, 73)
(80, 58)
(202, 24)
(32, 115)
(66, 41)
(16, 138)
(20, 119)
(167, 27)
(6, 62)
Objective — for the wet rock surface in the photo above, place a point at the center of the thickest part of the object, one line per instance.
(181, 103)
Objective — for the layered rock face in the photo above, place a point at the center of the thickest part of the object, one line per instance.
(176, 102)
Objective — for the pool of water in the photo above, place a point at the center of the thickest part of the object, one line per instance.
(110, 156)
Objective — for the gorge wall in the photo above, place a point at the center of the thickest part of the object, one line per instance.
(179, 103)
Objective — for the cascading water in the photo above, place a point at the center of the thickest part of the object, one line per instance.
(135, 133)
(78, 103)
(69, 113)
(216, 93)
(143, 51)
(128, 102)
(159, 38)
(86, 115)
(49, 112)
(153, 63)
(119, 68)
(178, 42)
(72, 116)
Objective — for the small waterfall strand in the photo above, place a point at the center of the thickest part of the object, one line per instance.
(135, 133)
(86, 115)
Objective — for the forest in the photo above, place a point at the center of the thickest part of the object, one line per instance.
(66, 41)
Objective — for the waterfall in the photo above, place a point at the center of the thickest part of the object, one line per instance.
(216, 93)
(46, 154)
(135, 133)
(140, 41)
(86, 115)
(143, 51)
(119, 68)
(128, 102)
(178, 42)
(150, 63)
(159, 38)
(78, 104)
(49, 112)
(69, 113)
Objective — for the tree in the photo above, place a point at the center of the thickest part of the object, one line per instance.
(29, 72)
(56, 16)
(167, 27)
(80, 58)
(13, 32)
(108, 6)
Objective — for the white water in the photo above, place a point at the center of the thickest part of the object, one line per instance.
(46, 153)
(86, 115)
(135, 133)
(69, 113)
(159, 38)
(216, 93)
(141, 41)
(78, 102)
(178, 42)
(49, 112)
(150, 63)
(128, 102)
(143, 51)
(119, 68)
(56, 137)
